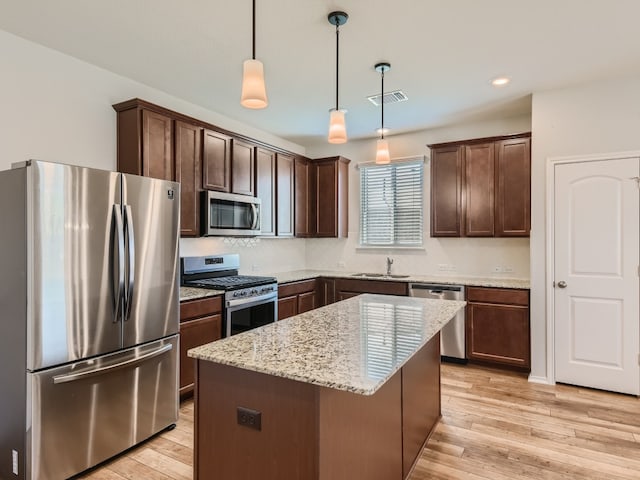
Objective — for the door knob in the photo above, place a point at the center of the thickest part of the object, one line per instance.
(562, 284)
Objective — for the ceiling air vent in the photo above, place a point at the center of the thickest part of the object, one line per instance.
(387, 98)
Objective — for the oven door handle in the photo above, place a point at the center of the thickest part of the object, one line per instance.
(251, 301)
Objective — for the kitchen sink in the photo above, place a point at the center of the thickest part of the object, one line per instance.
(378, 275)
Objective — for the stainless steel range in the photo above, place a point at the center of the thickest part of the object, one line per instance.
(249, 301)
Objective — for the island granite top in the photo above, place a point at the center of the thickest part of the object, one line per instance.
(354, 345)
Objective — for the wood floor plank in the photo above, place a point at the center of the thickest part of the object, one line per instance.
(495, 426)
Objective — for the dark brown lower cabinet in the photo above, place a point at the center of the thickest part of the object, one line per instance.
(297, 297)
(498, 326)
(200, 323)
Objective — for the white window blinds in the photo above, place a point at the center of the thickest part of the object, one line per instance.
(391, 204)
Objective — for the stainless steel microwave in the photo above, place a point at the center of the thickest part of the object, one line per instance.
(230, 215)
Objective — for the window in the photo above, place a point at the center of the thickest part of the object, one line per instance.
(391, 204)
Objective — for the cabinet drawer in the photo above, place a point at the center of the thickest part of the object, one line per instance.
(295, 288)
(505, 296)
(198, 308)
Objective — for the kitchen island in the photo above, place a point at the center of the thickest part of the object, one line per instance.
(346, 391)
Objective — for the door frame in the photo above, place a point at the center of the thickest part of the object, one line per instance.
(550, 244)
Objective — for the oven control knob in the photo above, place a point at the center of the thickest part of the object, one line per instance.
(235, 294)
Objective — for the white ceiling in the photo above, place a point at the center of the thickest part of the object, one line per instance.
(443, 53)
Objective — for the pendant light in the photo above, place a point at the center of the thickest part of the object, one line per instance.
(254, 92)
(337, 127)
(382, 150)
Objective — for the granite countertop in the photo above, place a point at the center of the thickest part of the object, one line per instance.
(354, 345)
(498, 282)
(194, 293)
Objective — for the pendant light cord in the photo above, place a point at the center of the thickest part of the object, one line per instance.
(254, 30)
(382, 105)
(337, 60)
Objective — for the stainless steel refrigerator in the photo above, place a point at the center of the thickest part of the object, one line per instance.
(89, 316)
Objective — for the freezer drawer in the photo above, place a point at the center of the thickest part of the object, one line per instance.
(86, 412)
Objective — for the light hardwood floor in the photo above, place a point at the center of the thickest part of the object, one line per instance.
(495, 425)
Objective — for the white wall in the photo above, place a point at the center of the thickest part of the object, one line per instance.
(469, 256)
(601, 117)
(55, 107)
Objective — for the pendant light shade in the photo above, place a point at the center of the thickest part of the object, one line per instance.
(382, 152)
(337, 125)
(382, 147)
(254, 92)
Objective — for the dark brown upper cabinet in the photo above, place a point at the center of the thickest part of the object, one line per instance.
(243, 168)
(513, 187)
(479, 204)
(446, 191)
(285, 195)
(332, 196)
(266, 190)
(304, 198)
(188, 155)
(216, 161)
(145, 141)
(481, 187)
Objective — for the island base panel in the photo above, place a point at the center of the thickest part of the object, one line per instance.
(284, 448)
(420, 401)
(361, 436)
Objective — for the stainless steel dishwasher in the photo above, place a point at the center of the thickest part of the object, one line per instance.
(452, 336)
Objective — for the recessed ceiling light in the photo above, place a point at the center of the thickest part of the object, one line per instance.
(500, 81)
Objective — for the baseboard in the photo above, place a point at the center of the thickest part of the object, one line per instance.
(542, 380)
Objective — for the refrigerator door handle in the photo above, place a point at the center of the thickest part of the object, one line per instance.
(131, 248)
(71, 377)
(118, 295)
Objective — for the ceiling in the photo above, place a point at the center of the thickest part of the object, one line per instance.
(443, 53)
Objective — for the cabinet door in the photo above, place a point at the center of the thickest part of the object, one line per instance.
(188, 160)
(157, 146)
(513, 187)
(326, 199)
(242, 168)
(216, 161)
(327, 291)
(192, 334)
(285, 195)
(303, 205)
(498, 334)
(343, 295)
(266, 189)
(479, 204)
(287, 307)
(446, 192)
(307, 301)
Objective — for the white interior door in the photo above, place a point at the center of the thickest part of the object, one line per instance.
(596, 304)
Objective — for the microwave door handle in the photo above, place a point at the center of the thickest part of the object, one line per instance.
(254, 209)
(118, 291)
(131, 248)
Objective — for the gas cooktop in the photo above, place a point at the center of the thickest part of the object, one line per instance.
(231, 282)
(218, 272)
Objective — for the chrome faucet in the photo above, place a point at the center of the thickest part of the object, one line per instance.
(389, 263)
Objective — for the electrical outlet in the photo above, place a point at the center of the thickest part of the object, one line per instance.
(442, 267)
(452, 268)
(341, 264)
(497, 269)
(507, 269)
(250, 418)
(255, 268)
